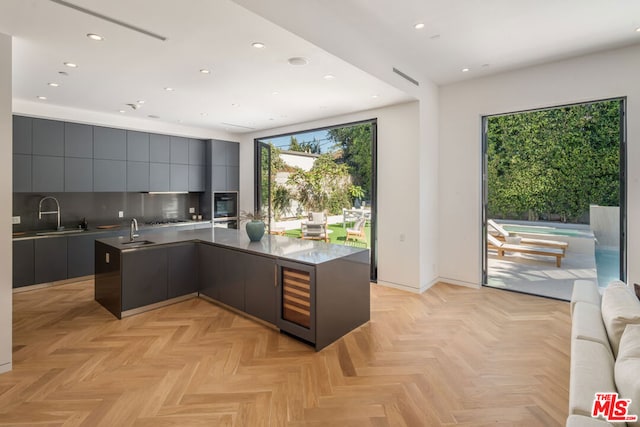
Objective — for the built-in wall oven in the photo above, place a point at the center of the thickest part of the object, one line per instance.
(225, 209)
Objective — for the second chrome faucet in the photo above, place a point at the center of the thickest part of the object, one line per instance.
(133, 229)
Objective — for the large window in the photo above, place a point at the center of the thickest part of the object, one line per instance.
(554, 189)
(328, 171)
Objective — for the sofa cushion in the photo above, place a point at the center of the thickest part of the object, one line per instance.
(587, 325)
(583, 421)
(619, 308)
(627, 369)
(591, 373)
(585, 291)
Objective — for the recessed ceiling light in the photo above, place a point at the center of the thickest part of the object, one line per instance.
(71, 65)
(205, 71)
(42, 98)
(141, 101)
(329, 77)
(464, 70)
(204, 114)
(63, 73)
(374, 96)
(638, 30)
(153, 116)
(121, 111)
(485, 65)
(275, 93)
(168, 89)
(298, 61)
(53, 84)
(435, 37)
(257, 45)
(419, 26)
(235, 105)
(95, 37)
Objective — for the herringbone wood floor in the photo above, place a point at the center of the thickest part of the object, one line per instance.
(451, 356)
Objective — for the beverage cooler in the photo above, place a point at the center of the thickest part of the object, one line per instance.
(225, 209)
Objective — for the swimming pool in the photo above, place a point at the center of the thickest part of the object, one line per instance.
(607, 264)
(539, 229)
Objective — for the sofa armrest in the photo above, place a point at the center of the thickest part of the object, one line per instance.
(585, 291)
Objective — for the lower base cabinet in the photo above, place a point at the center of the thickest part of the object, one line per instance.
(182, 274)
(50, 259)
(23, 263)
(144, 277)
(260, 290)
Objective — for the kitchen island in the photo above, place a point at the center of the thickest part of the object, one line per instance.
(312, 290)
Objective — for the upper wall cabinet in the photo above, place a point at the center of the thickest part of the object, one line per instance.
(109, 143)
(179, 150)
(137, 146)
(197, 152)
(78, 140)
(22, 135)
(48, 138)
(159, 148)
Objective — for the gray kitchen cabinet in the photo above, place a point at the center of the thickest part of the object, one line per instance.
(179, 178)
(182, 275)
(80, 255)
(233, 154)
(22, 173)
(48, 137)
(260, 290)
(233, 178)
(179, 150)
(78, 140)
(144, 277)
(137, 146)
(229, 277)
(207, 281)
(159, 148)
(196, 152)
(218, 152)
(47, 174)
(23, 263)
(218, 178)
(159, 177)
(50, 260)
(78, 174)
(22, 135)
(109, 175)
(196, 178)
(109, 143)
(137, 176)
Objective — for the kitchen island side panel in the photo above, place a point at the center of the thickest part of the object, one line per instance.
(108, 289)
(342, 297)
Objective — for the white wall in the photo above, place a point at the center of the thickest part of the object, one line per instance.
(607, 74)
(6, 190)
(400, 177)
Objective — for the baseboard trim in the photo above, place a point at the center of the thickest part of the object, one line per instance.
(6, 367)
(459, 283)
(399, 286)
(158, 305)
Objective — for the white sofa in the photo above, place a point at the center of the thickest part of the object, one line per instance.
(605, 350)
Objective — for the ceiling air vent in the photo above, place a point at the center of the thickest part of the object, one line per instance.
(109, 19)
(406, 77)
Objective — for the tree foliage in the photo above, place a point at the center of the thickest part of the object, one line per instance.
(553, 164)
(325, 187)
(304, 146)
(355, 144)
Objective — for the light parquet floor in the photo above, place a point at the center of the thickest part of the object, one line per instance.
(451, 356)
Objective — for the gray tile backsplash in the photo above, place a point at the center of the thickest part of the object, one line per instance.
(101, 208)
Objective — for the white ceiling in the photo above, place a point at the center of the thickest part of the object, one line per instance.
(238, 94)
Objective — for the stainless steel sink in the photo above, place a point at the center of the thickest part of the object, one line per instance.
(137, 243)
(59, 232)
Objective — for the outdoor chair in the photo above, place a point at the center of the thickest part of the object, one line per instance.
(357, 232)
(316, 228)
(504, 234)
(501, 248)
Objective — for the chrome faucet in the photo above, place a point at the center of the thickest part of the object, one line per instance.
(134, 228)
(56, 212)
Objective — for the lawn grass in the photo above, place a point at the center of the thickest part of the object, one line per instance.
(338, 236)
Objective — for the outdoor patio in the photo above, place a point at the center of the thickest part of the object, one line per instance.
(539, 275)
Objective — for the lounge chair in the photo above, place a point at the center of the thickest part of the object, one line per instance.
(503, 234)
(501, 248)
(357, 232)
